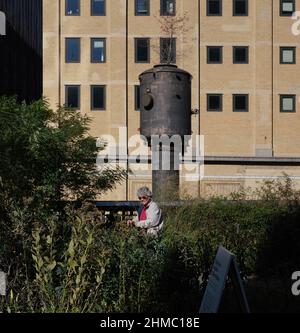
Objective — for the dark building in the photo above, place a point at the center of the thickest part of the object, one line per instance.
(21, 49)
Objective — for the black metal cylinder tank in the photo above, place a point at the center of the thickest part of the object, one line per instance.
(165, 95)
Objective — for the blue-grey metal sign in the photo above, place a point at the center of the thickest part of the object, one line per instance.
(224, 266)
(2, 24)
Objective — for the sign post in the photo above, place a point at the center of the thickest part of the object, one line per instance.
(224, 265)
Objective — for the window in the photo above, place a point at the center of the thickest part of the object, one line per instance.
(287, 55)
(72, 49)
(214, 7)
(214, 102)
(287, 7)
(240, 55)
(137, 100)
(167, 7)
(240, 103)
(98, 96)
(72, 7)
(142, 50)
(142, 7)
(287, 103)
(240, 7)
(72, 97)
(98, 50)
(214, 54)
(98, 7)
(168, 50)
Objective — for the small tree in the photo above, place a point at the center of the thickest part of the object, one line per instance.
(46, 157)
(171, 27)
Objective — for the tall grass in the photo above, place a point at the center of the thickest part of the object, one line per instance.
(78, 263)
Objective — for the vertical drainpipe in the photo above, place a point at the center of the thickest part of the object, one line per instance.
(199, 80)
(41, 77)
(127, 151)
(272, 54)
(59, 53)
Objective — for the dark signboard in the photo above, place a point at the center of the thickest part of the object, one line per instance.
(224, 266)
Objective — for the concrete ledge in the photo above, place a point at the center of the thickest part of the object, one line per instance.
(252, 160)
(230, 160)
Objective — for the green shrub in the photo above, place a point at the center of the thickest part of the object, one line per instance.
(77, 263)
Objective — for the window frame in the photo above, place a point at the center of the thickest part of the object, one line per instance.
(93, 14)
(162, 13)
(290, 48)
(208, 109)
(234, 109)
(220, 7)
(66, 96)
(79, 6)
(93, 86)
(66, 48)
(207, 55)
(234, 61)
(161, 39)
(136, 39)
(92, 48)
(233, 8)
(282, 13)
(136, 13)
(282, 96)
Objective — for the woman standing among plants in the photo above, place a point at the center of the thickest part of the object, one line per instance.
(149, 217)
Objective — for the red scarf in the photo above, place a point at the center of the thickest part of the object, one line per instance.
(143, 215)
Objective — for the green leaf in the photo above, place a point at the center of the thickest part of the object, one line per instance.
(49, 240)
(78, 279)
(71, 248)
(51, 266)
(90, 239)
(83, 260)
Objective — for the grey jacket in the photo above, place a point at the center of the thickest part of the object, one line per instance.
(154, 222)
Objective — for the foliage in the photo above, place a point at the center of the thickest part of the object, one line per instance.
(47, 156)
(84, 266)
(68, 280)
(75, 262)
(263, 234)
(172, 27)
(133, 272)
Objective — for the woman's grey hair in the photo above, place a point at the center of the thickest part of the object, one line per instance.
(144, 191)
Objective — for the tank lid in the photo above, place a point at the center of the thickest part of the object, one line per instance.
(166, 68)
(166, 65)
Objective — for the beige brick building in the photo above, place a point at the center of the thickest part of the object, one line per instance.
(244, 58)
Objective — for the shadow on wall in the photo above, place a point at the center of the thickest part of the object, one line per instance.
(21, 51)
(21, 68)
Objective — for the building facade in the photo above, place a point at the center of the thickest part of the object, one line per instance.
(244, 58)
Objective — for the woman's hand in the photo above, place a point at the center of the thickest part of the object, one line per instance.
(130, 222)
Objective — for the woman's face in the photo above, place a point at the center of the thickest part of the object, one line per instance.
(144, 200)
